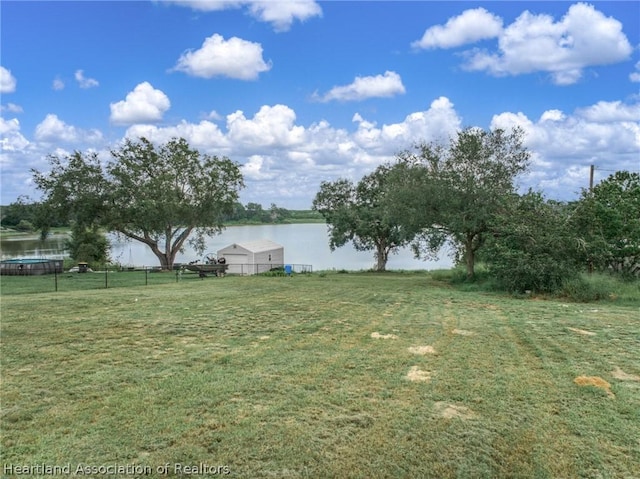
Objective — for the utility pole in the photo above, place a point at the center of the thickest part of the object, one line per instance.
(590, 260)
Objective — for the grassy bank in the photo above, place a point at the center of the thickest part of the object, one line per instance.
(341, 375)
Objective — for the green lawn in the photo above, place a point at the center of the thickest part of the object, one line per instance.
(337, 375)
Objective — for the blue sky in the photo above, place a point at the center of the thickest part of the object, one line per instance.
(298, 92)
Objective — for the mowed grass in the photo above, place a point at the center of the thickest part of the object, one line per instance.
(322, 376)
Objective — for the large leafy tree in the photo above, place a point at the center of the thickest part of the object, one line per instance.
(608, 218)
(452, 193)
(532, 245)
(360, 213)
(161, 195)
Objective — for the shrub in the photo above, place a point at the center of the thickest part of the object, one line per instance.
(533, 248)
(24, 226)
(585, 288)
(88, 244)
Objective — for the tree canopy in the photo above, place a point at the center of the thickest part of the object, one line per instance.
(608, 218)
(160, 195)
(453, 192)
(361, 214)
(532, 245)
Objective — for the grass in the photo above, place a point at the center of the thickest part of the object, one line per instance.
(584, 288)
(12, 233)
(10, 285)
(281, 377)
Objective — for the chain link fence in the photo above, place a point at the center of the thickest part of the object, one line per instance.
(127, 277)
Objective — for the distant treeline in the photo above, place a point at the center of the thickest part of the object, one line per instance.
(254, 213)
(22, 215)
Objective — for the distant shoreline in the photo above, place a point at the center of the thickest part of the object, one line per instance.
(11, 235)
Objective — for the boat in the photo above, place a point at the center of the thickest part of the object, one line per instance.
(209, 265)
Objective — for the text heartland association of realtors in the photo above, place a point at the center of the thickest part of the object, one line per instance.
(112, 469)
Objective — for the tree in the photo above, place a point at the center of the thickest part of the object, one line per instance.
(255, 213)
(532, 245)
(88, 244)
(361, 214)
(75, 191)
(161, 195)
(453, 192)
(608, 218)
(15, 212)
(278, 214)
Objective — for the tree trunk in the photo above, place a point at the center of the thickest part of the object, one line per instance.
(164, 261)
(470, 257)
(382, 255)
(168, 256)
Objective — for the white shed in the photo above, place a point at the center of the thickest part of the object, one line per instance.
(252, 257)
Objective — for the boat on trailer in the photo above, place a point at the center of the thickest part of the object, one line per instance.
(210, 264)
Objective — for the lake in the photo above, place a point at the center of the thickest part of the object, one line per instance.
(303, 244)
(33, 247)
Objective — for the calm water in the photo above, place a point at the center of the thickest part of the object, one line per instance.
(33, 247)
(303, 244)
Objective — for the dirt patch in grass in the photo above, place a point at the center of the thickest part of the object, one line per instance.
(463, 332)
(595, 381)
(418, 375)
(620, 374)
(422, 350)
(582, 331)
(450, 411)
(377, 335)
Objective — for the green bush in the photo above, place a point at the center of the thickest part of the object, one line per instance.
(520, 271)
(88, 244)
(595, 287)
(532, 247)
(24, 226)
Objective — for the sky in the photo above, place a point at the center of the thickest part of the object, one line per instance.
(299, 92)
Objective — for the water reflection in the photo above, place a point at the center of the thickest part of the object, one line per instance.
(33, 247)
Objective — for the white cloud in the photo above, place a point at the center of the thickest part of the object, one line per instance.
(12, 108)
(583, 37)
(552, 115)
(610, 111)
(380, 86)
(204, 135)
(144, 104)
(282, 14)
(213, 115)
(468, 27)
(234, 58)
(57, 84)
(284, 161)
(85, 82)
(52, 130)
(256, 168)
(606, 134)
(635, 76)
(279, 14)
(271, 126)
(10, 137)
(7, 81)
(434, 124)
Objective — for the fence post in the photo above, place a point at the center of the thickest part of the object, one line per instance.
(146, 276)
(55, 275)
(106, 278)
